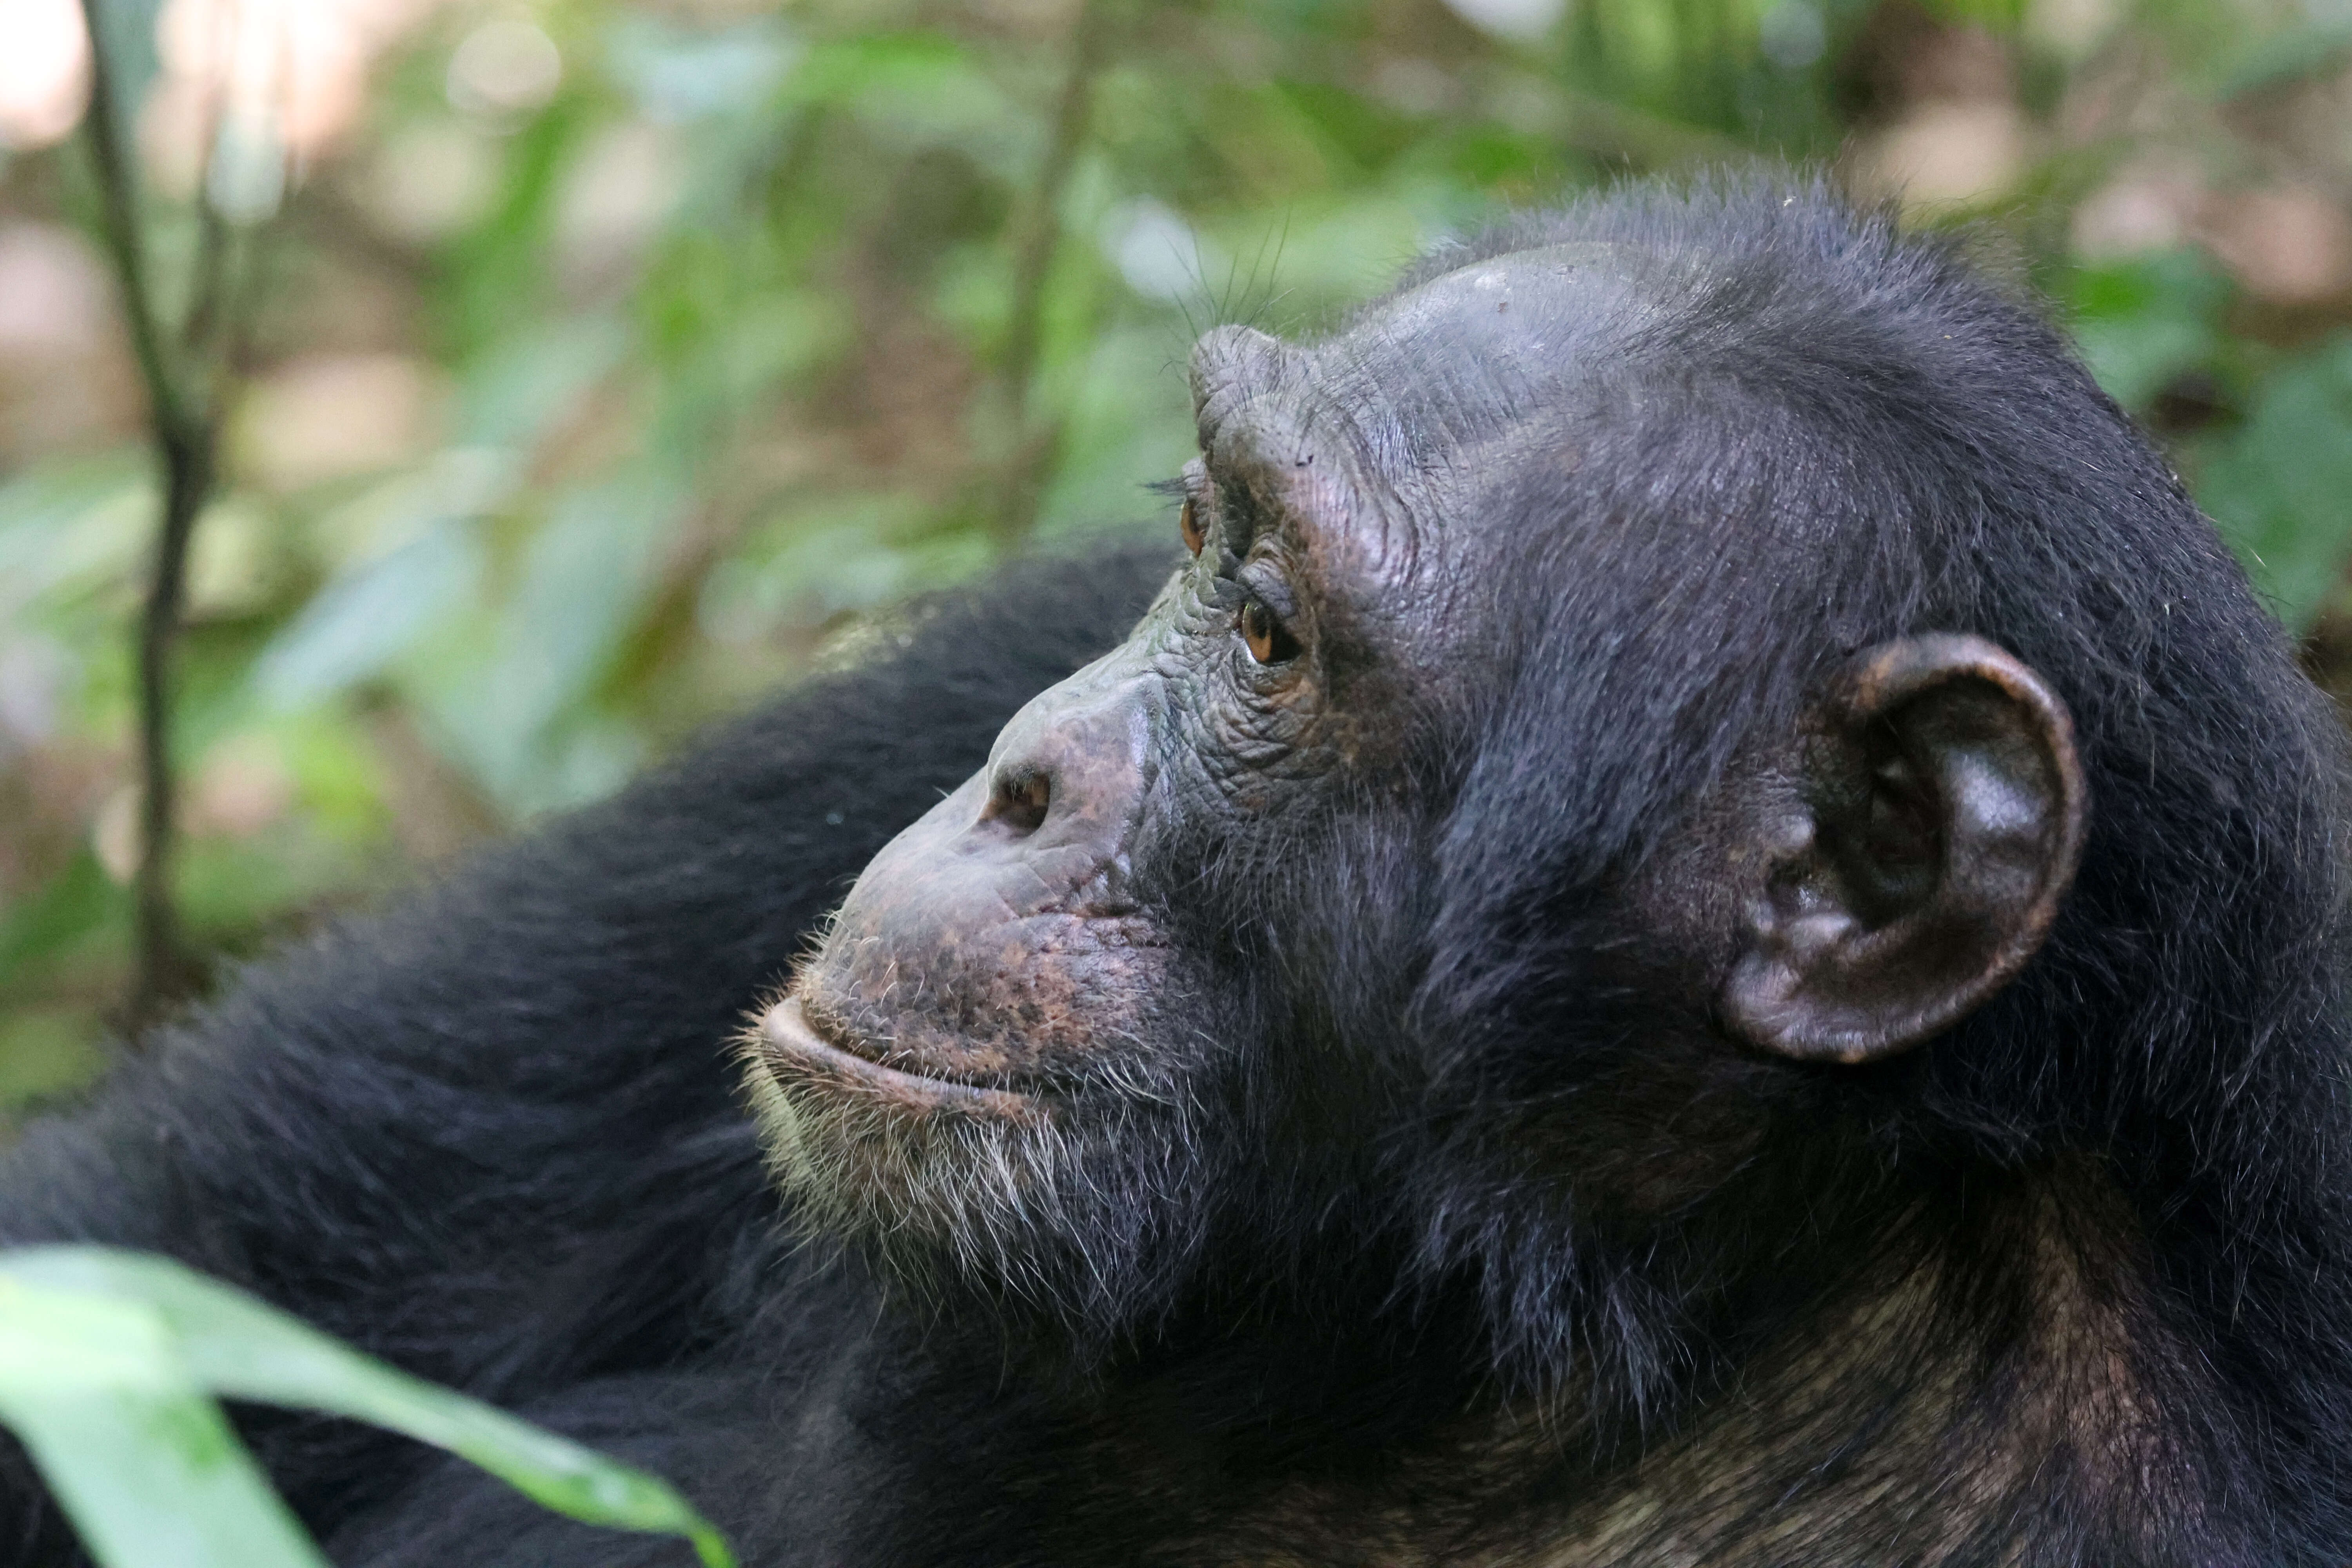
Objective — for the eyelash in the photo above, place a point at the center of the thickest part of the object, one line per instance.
(1263, 633)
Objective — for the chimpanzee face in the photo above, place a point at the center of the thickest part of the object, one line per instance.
(1060, 1013)
(1016, 1029)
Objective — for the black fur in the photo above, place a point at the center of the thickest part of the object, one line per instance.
(491, 1135)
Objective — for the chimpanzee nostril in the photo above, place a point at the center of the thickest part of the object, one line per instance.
(1021, 799)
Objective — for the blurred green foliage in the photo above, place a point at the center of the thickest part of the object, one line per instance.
(110, 1363)
(584, 404)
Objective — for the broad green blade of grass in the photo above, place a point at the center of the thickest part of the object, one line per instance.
(139, 1456)
(225, 1341)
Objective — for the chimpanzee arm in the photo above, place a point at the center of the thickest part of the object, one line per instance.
(492, 1132)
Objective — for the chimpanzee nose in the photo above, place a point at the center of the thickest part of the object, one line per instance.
(1069, 764)
(1020, 797)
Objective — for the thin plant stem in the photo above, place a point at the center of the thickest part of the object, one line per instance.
(118, 200)
(1035, 441)
(165, 967)
(183, 430)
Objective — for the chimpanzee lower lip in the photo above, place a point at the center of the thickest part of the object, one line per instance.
(790, 1042)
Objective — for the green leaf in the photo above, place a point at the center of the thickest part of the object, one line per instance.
(360, 622)
(534, 378)
(72, 525)
(2282, 488)
(2141, 323)
(677, 74)
(585, 576)
(913, 90)
(141, 1461)
(2296, 54)
(76, 1319)
(44, 1052)
(75, 901)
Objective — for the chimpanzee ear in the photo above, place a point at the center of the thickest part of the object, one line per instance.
(1942, 819)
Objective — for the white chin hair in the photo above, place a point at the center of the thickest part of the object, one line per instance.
(1089, 1226)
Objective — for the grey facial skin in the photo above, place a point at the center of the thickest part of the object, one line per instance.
(998, 944)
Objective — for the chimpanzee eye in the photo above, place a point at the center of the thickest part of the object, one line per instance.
(1188, 523)
(1269, 640)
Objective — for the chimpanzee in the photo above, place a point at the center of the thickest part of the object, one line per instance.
(1704, 926)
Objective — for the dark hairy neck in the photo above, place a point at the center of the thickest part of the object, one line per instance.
(1998, 1393)
(1995, 1388)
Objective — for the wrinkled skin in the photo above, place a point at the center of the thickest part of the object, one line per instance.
(1007, 1039)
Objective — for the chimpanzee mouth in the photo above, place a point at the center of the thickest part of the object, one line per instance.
(790, 1047)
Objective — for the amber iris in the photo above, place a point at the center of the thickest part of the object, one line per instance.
(1269, 640)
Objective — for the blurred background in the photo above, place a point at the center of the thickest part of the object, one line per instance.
(571, 370)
